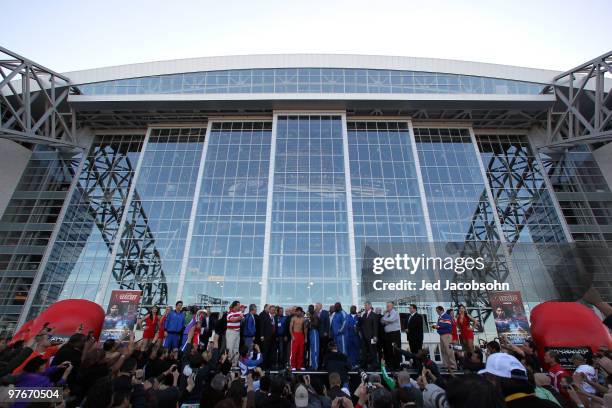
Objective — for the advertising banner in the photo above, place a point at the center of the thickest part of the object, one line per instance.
(121, 314)
(509, 313)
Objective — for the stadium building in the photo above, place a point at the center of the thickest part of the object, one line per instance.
(266, 178)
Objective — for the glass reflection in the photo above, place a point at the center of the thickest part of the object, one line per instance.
(309, 248)
(226, 257)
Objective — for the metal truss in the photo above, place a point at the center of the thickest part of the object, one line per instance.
(581, 115)
(103, 187)
(138, 264)
(482, 240)
(33, 103)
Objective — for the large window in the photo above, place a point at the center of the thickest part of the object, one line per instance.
(309, 245)
(84, 243)
(226, 254)
(311, 80)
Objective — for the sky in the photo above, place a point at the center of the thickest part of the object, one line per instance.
(69, 35)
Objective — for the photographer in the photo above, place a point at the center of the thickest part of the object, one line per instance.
(249, 360)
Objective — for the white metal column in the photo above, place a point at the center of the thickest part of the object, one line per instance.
(265, 270)
(105, 279)
(349, 213)
(417, 164)
(192, 216)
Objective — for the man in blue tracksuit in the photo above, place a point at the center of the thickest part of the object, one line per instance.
(339, 329)
(174, 325)
(249, 329)
(354, 342)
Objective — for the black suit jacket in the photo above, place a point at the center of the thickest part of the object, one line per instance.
(266, 326)
(369, 325)
(415, 326)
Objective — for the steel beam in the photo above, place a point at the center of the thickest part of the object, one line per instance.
(34, 103)
(583, 112)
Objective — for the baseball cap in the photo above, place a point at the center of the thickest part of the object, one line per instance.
(505, 366)
(301, 397)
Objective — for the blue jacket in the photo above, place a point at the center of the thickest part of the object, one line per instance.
(280, 326)
(338, 324)
(351, 325)
(175, 322)
(250, 328)
(445, 324)
(324, 323)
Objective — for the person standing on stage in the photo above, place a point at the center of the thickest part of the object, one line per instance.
(354, 342)
(174, 325)
(414, 329)
(151, 323)
(298, 331)
(313, 338)
(160, 336)
(267, 333)
(391, 322)
(445, 330)
(280, 359)
(369, 332)
(250, 327)
(289, 312)
(339, 329)
(323, 330)
(208, 326)
(232, 333)
(466, 333)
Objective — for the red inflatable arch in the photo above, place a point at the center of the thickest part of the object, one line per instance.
(23, 333)
(567, 325)
(65, 317)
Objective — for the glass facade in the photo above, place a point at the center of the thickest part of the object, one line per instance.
(82, 249)
(284, 207)
(226, 254)
(153, 240)
(312, 80)
(309, 238)
(27, 224)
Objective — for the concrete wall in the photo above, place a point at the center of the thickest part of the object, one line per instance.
(14, 160)
(603, 155)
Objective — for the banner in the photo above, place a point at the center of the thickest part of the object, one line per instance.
(121, 314)
(509, 313)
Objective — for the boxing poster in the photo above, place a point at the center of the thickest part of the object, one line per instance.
(509, 314)
(121, 314)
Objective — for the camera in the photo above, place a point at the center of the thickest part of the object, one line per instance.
(365, 380)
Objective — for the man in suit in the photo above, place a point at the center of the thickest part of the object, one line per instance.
(414, 329)
(208, 325)
(324, 326)
(267, 335)
(369, 332)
